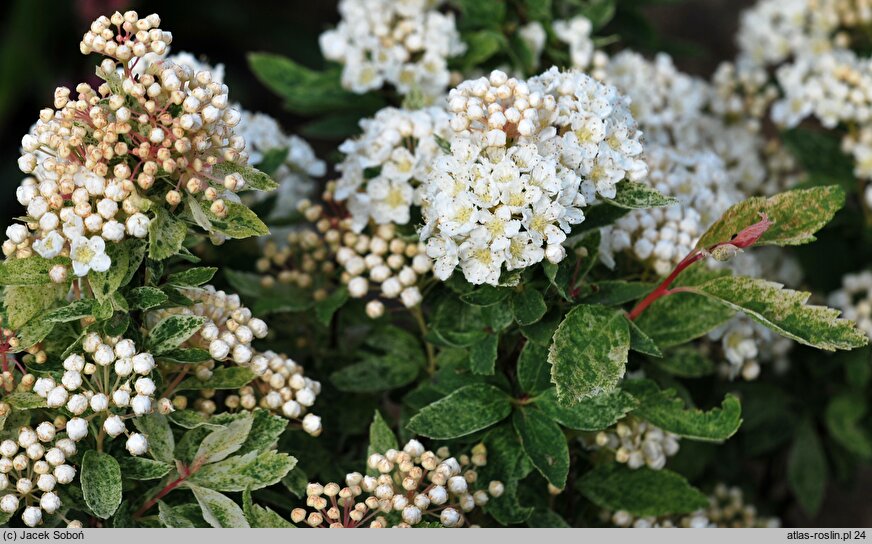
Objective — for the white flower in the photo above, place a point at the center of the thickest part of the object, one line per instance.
(77, 429)
(508, 177)
(136, 444)
(137, 225)
(312, 424)
(89, 254)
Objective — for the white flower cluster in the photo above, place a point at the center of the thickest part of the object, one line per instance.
(669, 106)
(114, 384)
(727, 509)
(96, 156)
(818, 73)
(384, 263)
(776, 30)
(414, 482)
(525, 159)
(662, 237)
(855, 299)
(31, 467)
(746, 344)
(281, 388)
(576, 33)
(229, 330)
(384, 167)
(638, 443)
(406, 44)
(264, 136)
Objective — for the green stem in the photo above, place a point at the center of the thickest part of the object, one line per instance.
(422, 326)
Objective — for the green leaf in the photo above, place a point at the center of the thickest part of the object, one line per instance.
(681, 317)
(189, 419)
(528, 306)
(325, 309)
(534, 371)
(481, 13)
(225, 377)
(545, 444)
(641, 492)
(239, 221)
(381, 437)
(101, 483)
(506, 462)
(616, 292)
(105, 284)
(24, 400)
(306, 91)
(686, 362)
(140, 468)
(192, 277)
(481, 45)
(260, 517)
(589, 353)
(171, 332)
(34, 332)
(186, 355)
(465, 411)
(251, 471)
(172, 517)
(392, 358)
(218, 510)
(820, 154)
(254, 178)
(376, 373)
(24, 302)
(665, 410)
(633, 195)
(485, 295)
(156, 429)
(220, 443)
(796, 215)
(807, 469)
(29, 271)
(483, 355)
(266, 428)
(592, 414)
(844, 416)
(166, 234)
(537, 10)
(785, 312)
(641, 342)
(74, 311)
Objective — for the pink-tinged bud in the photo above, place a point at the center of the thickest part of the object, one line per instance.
(749, 235)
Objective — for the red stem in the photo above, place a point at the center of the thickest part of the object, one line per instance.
(163, 492)
(663, 288)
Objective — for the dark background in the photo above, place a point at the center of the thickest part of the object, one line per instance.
(39, 51)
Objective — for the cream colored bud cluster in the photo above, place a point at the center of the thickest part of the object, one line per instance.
(31, 468)
(305, 260)
(414, 484)
(126, 36)
(113, 383)
(280, 387)
(727, 509)
(740, 90)
(383, 263)
(101, 151)
(9, 341)
(637, 443)
(229, 330)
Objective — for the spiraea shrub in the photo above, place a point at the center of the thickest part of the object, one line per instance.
(545, 280)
